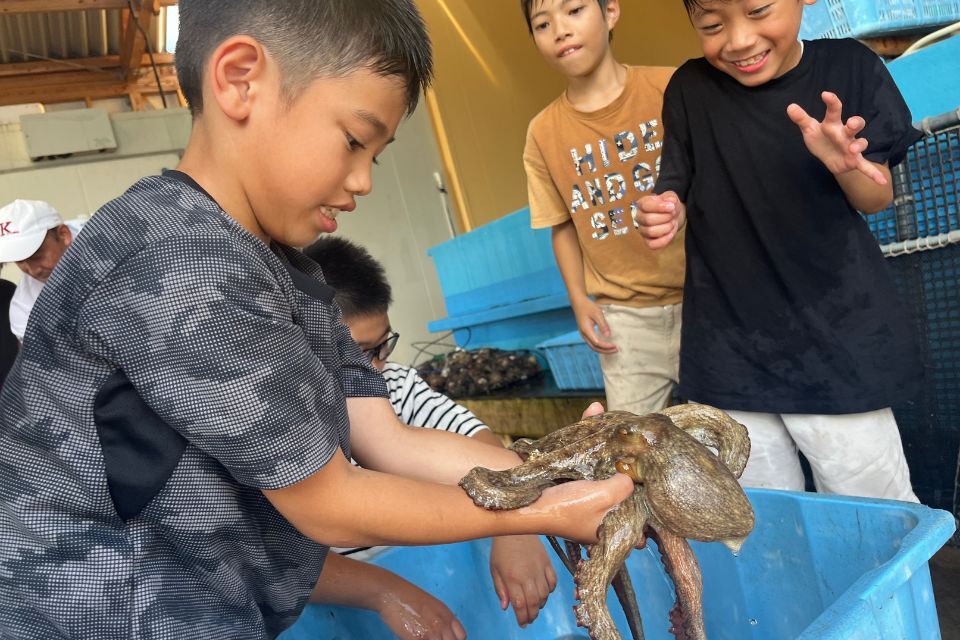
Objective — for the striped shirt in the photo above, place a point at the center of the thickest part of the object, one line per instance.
(417, 405)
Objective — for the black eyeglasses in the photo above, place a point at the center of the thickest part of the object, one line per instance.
(383, 350)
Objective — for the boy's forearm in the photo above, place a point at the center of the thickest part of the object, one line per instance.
(349, 583)
(569, 256)
(863, 193)
(428, 454)
(343, 505)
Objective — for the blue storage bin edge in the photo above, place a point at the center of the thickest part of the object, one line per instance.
(757, 595)
(544, 283)
(504, 312)
(844, 618)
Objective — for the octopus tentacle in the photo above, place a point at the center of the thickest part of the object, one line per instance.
(523, 484)
(569, 560)
(623, 587)
(620, 532)
(561, 437)
(499, 490)
(716, 429)
(682, 566)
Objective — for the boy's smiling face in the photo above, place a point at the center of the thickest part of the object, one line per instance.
(753, 41)
(573, 35)
(310, 158)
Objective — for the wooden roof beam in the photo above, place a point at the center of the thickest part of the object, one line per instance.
(94, 65)
(134, 42)
(10, 7)
(78, 86)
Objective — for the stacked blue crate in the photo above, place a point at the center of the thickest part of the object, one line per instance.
(501, 286)
(863, 18)
(927, 188)
(573, 363)
(926, 183)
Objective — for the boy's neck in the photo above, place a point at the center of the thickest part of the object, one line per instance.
(599, 88)
(216, 174)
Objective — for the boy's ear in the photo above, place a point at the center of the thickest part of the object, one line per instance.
(237, 69)
(612, 13)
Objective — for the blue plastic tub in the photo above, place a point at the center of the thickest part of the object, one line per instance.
(928, 78)
(573, 363)
(864, 18)
(816, 567)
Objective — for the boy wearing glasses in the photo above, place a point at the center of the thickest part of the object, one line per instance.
(364, 297)
(522, 573)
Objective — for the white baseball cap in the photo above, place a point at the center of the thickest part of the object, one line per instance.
(23, 225)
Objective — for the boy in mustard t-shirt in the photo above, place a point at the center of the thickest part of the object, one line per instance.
(590, 155)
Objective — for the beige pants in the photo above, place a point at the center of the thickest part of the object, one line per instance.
(641, 375)
(856, 454)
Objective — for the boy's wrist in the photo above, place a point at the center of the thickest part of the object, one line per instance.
(579, 300)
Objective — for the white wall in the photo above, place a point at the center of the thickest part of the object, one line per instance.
(398, 221)
(147, 143)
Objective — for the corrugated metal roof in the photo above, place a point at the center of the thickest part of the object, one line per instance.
(65, 35)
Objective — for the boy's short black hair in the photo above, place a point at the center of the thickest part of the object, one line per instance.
(527, 7)
(359, 280)
(309, 39)
(692, 5)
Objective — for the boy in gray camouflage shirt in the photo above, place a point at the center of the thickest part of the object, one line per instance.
(175, 435)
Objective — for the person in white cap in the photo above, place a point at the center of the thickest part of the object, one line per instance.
(34, 236)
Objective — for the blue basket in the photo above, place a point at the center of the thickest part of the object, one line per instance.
(864, 18)
(815, 567)
(927, 188)
(573, 363)
(501, 263)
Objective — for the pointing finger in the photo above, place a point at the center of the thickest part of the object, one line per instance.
(800, 117)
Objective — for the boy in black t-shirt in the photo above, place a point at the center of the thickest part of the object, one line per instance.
(791, 321)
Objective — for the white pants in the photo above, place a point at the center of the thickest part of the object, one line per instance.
(641, 375)
(856, 454)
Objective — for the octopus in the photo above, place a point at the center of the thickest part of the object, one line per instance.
(682, 490)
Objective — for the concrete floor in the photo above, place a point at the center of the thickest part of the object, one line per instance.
(945, 572)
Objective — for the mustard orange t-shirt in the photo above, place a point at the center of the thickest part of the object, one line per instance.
(594, 168)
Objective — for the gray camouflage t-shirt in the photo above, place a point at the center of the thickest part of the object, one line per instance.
(174, 365)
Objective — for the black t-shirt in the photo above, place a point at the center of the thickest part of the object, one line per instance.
(788, 305)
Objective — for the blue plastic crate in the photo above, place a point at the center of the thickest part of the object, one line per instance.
(501, 263)
(815, 567)
(523, 325)
(928, 188)
(573, 363)
(864, 18)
